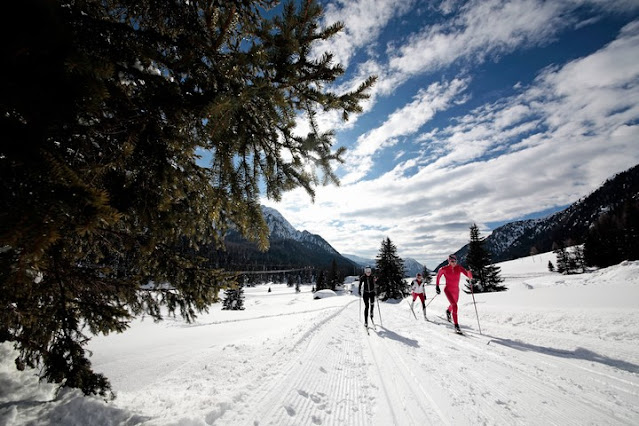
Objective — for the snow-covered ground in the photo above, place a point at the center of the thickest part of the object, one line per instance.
(553, 349)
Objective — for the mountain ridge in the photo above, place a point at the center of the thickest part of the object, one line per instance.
(519, 238)
(288, 248)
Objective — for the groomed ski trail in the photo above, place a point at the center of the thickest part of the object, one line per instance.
(326, 370)
(339, 375)
(411, 372)
(482, 379)
(324, 380)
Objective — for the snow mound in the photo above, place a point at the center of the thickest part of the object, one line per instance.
(322, 294)
(627, 271)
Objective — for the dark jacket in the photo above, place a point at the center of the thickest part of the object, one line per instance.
(368, 281)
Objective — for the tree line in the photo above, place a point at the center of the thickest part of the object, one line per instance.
(390, 269)
(612, 238)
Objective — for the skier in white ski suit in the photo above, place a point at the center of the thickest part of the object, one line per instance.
(417, 289)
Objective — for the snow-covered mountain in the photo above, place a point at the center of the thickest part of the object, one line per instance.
(280, 228)
(518, 239)
(288, 248)
(361, 261)
(412, 267)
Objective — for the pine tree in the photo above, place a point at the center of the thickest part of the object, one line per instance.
(333, 278)
(486, 276)
(570, 260)
(551, 267)
(234, 298)
(134, 134)
(321, 281)
(426, 276)
(571, 256)
(390, 272)
(579, 258)
(562, 259)
(614, 237)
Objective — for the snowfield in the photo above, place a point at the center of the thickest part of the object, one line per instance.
(553, 349)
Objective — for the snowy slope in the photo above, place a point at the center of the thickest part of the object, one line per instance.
(280, 228)
(412, 267)
(554, 350)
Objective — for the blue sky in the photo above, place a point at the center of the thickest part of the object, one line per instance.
(484, 112)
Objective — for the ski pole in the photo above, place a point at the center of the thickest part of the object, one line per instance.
(476, 313)
(380, 312)
(431, 301)
(360, 305)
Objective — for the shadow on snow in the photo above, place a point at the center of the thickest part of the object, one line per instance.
(386, 333)
(578, 353)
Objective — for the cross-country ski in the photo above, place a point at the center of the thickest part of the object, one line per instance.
(411, 308)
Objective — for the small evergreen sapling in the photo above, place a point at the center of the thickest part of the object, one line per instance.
(486, 276)
(426, 276)
(234, 298)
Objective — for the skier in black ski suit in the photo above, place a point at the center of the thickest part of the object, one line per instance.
(368, 282)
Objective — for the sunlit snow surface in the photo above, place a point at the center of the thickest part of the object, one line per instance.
(554, 349)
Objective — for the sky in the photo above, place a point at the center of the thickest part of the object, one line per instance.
(485, 112)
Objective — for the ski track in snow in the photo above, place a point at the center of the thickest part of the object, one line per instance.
(410, 372)
(423, 373)
(325, 382)
(556, 355)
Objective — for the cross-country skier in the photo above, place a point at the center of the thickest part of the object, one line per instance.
(452, 272)
(368, 295)
(417, 288)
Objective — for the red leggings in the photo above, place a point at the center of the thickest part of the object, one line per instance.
(421, 297)
(452, 293)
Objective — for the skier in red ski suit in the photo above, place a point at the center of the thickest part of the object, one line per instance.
(452, 272)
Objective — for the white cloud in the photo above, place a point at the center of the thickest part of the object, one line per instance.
(363, 21)
(549, 145)
(447, 7)
(404, 121)
(481, 29)
(486, 27)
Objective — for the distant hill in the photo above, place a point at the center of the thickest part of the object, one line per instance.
(517, 239)
(289, 248)
(411, 266)
(360, 261)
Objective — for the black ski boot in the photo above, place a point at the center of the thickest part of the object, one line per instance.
(457, 330)
(448, 315)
